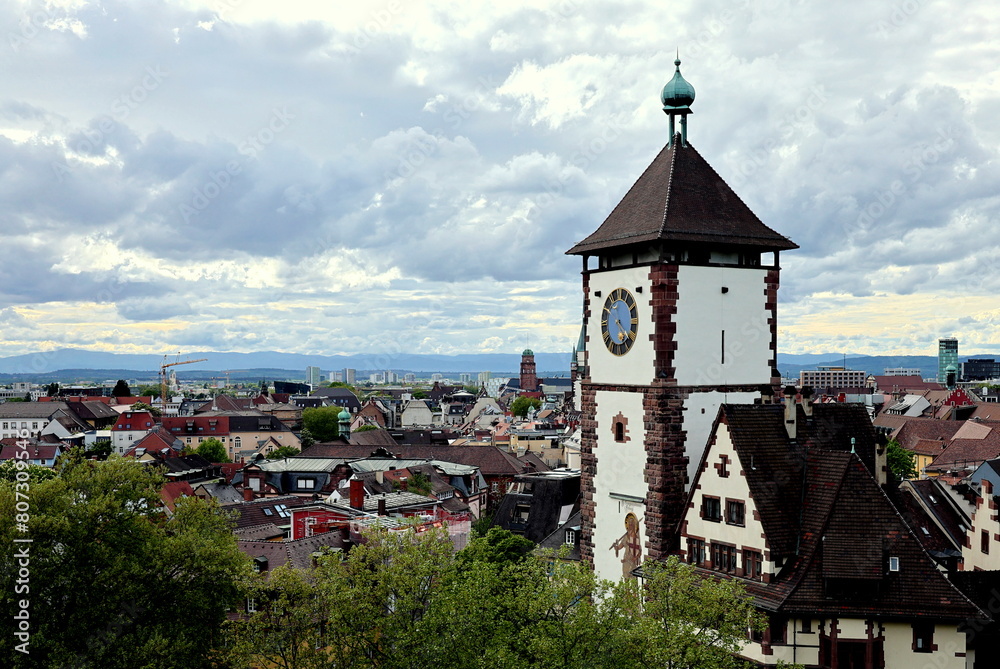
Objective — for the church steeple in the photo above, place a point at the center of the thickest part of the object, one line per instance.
(677, 97)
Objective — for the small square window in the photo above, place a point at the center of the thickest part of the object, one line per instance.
(711, 509)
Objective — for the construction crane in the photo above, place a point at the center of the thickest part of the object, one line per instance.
(163, 379)
(232, 371)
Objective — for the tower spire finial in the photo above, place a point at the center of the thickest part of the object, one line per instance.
(677, 97)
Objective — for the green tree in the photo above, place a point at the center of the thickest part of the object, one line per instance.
(368, 428)
(689, 621)
(212, 450)
(30, 473)
(306, 439)
(142, 406)
(419, 394)
(283, 452)
(121, 389)
(322, 422)
(52, 390)
(149, 391)
(101, 449)
(405, 599)
(521, 405)
(341, 384)
(900, 461)
(115, 583)
(497, 546)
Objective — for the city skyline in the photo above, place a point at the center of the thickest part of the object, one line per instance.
(386, 178)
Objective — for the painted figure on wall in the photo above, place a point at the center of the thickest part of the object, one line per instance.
(631, 544)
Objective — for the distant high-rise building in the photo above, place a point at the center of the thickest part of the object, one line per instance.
(410, 378)
(437, 377)
(947, 357)
(484, 377)
(980, 369)
(391, 376)
(349, 375)
(336, 377)
(832, 377)
(377, 378)
(314, 376)
(465, 379)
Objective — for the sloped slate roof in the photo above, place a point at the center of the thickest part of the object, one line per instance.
(681, 198)
(823, 510)
(490, 460)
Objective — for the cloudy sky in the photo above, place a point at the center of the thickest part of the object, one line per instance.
(346, 177)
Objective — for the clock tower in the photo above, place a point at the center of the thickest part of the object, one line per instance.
(680, 289)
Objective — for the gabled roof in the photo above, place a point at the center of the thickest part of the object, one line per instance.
(262, 511)
(490, 460)
(681, 198)
(32, 409)
(134, 421)
(823, 511)
(296, 553)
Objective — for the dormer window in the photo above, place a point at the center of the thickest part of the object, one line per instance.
(570, 539)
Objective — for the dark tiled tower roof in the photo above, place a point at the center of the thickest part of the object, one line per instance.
(680, 198)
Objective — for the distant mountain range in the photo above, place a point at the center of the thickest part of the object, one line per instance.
(790, 366)
(77, 364)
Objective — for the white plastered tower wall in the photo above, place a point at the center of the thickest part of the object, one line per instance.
(703, 272)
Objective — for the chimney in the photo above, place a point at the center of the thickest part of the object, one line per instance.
(247, 494)
(403, 483)
(807, 394)
(791, 414)
(380, 476)
(381, 506)
(357, 494)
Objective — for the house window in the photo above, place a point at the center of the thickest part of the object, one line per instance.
(984, 541)
(923, 637)
(723, 557)
(711, 509)
(696, 552)
(806, 627)
(251, 605)
(619, 431)
(753, 565)
(237, 442)
(777, 625)
(570, 538)
(306, 484)
(734, 512)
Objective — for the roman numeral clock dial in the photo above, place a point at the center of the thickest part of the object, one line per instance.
(619, 321)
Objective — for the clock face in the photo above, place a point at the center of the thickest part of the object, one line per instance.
(619, 321)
